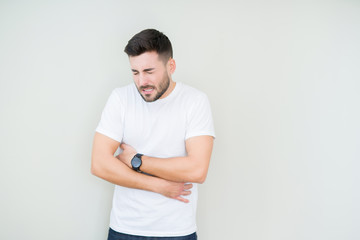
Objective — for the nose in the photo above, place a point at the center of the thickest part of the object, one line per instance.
(143, 80)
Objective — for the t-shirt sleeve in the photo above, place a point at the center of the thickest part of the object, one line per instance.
(199, 119)
(112, 118)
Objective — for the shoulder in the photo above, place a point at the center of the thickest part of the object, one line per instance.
(192, 100)
(123, 91)
(191, 93)
(122, 94)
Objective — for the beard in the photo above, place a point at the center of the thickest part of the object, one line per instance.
(160, 89)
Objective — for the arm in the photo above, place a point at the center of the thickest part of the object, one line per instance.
(191, 168)
(109, 168)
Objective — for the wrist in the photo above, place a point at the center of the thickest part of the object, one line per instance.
(159, 185)
(136, 162)
(144, 163)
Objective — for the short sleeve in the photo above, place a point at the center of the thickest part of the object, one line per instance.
(112, 118)
(199, 118)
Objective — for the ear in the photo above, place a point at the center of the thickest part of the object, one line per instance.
(171, 65)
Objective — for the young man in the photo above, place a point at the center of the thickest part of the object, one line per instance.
(165, 131)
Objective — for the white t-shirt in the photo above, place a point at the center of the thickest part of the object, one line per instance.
(157, 129)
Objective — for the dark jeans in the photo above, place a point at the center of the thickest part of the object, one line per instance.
(113, 235)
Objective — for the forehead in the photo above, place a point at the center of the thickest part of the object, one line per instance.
(145, 60)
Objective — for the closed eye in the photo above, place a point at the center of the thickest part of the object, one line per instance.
(135, 72)
(149, 70)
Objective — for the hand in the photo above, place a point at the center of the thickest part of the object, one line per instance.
(128, 153)
(176, 190)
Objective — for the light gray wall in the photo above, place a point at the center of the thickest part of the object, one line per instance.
(283, 81)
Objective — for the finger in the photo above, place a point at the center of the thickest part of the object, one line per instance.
(188, 186)
(185, 193)
(181, 199)
(122, 146)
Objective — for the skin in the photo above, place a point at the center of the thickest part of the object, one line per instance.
(109, 168)
(152, 77)
(191, 168)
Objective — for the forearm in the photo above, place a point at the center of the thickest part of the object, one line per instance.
(109, 168)
(191, 168)
(115, 171)
(178, 169)
(112, 170)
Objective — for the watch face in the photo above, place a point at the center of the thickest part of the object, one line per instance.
(136, 162)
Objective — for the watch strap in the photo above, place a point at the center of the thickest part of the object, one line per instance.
(138, 156)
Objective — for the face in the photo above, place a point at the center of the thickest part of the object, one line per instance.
(152, 76)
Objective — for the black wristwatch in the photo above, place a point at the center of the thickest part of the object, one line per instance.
(136, 162)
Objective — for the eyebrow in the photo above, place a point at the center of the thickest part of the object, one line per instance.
(145, 70)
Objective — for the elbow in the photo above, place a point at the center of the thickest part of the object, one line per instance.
(201, 179)
(199, 170)
(95, 169)
(199, 176)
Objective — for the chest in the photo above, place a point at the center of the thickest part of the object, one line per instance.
(157, 131)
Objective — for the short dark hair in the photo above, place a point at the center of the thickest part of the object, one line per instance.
(149, 40)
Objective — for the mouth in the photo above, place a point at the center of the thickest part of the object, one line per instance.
(147, 89)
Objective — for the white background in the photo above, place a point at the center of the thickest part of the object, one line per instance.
(283, 80)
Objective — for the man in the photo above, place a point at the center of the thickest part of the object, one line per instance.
(165, 131)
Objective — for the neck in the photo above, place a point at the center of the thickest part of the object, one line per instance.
(169, 90)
